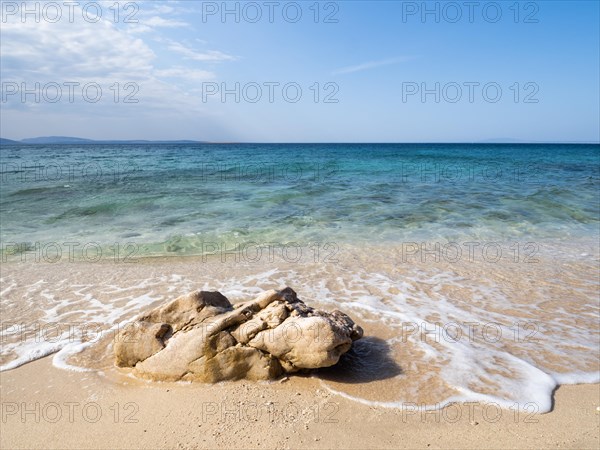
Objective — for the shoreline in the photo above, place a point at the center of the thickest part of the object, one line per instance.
(43, 406)
(48, 407)
(481, 348)
(432, 250)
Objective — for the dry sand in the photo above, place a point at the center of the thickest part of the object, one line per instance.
(45, 407)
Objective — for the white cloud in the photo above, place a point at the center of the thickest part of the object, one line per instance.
(62, 50)
(371, 65)
(106, 53)
(83, 52)
(185, 73)
(158, 8)
(156, 21)
(162, 8)
(152, 23)
(196, 55)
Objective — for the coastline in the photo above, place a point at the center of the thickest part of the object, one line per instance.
(47, 406)
(87, 410)
(461, 331)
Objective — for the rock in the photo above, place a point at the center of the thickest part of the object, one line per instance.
(201, 336)
(140, 342)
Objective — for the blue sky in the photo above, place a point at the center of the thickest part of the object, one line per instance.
(532, 72)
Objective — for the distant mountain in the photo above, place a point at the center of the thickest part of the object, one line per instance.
(505, 141)
(75, 140)
(521, 141)
(7, 141)
(56, 140)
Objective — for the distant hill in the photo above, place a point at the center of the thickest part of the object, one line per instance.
(505, 141)
(521, 141)
(75, 140)
(56, 140)
(7, 141)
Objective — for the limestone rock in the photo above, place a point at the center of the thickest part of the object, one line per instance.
(201, 336)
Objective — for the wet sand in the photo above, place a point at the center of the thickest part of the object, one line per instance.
(44, 407)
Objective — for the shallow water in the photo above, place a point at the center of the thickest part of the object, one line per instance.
(175, 199)
(476, 288)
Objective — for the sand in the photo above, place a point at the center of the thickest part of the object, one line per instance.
(46, 407)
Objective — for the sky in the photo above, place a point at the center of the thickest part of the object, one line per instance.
(306, 71)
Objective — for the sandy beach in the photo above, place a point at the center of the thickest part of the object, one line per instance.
(44, 407)
(80, 400)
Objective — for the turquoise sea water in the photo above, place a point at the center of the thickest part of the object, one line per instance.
(173, 199)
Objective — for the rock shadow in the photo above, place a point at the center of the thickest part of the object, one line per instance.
(369, 359)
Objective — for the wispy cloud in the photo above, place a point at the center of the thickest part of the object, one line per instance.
(197, 55)
(185, 73)
(154, 23)
(149, 17)
(371, 65)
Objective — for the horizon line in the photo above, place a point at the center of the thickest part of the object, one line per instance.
(194, 141)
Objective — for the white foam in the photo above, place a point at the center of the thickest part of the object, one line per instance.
(479, 370)
(28, 352)
(577, 377)
(60, 359)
